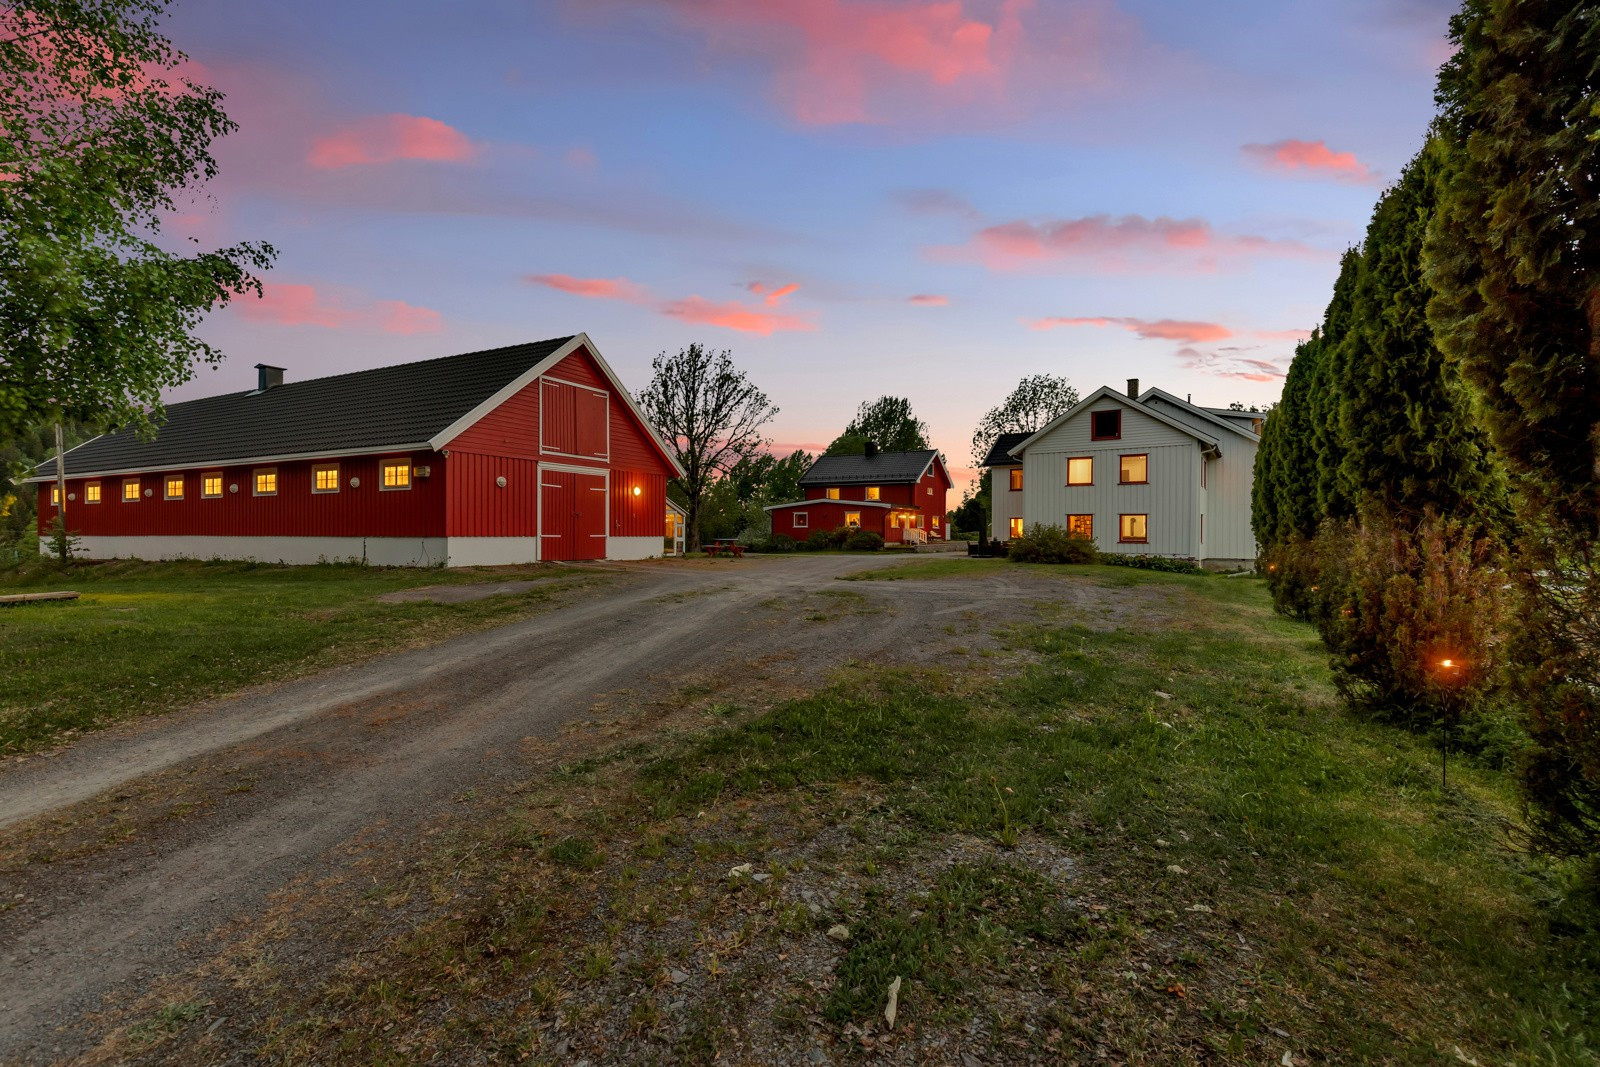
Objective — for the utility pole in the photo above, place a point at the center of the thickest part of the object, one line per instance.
(61, 483)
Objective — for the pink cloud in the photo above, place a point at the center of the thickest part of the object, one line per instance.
(388, 138)
(733, 316)
(929, 300)
(581, 157)
(1311, 157)
(294, 304)
(1156, 329)
(1283, 335)
(594, 288)
(1238, 368)
(1121, 243)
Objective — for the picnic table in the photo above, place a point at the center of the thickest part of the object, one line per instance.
(725, 545)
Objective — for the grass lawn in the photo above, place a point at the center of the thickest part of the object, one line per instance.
(1158, 843)
(148, 637)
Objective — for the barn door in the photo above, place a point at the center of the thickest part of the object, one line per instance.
(572, 515)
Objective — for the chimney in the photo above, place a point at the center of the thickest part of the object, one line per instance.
(871, 449)
(1133, 388)
(268, 377)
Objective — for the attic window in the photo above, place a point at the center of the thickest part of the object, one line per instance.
(396, 474)
(873, 492)
(832, 493)
(1105, 425)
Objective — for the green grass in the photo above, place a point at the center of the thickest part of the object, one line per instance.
(148, 637)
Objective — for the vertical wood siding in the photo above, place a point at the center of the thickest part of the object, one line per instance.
(480, 507)
(1005, 503)
(826, 515)
(1170, 499)
(364, 511)
(573, 508)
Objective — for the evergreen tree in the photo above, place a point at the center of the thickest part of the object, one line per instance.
(1333, 500)
(1514, 259)
(1407, 438)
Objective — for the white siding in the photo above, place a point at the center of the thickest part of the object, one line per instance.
(1228, 532)
(1171, 499)
(1004, 504)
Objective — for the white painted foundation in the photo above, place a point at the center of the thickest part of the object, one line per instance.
(492, 551)
(377, 551)
(634, 547)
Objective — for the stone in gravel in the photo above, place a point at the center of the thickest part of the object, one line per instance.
(761, 876)
(743, 870)
(818, 1056)
(679, 977)
(839, 932)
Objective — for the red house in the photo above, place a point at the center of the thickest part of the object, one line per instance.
(899, 495)
(531, 452)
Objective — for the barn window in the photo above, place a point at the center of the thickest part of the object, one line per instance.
(1016, 479)
(130, 490)
(396, 474)
(1135, 529)
(1136, 469)
(55, 496)
(1080, 470)
(802, 520)
(1081, 526)
(873, 492)
(211, 486)
(853, 519)
(930, 490)
(833, 493)
(325, 478)
(91, 493)
(266, 482)
(174, 487)
(1016, 527)
(1105, 425)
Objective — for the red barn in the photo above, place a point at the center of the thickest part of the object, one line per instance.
(899, 495)
(512, 455)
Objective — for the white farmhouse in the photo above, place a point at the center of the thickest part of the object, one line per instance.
(1137, 472)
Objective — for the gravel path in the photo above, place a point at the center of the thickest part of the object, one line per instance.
(362, 753)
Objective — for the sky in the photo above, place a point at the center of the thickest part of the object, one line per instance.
(920, 198)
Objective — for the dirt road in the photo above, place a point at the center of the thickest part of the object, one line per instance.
(125, 852)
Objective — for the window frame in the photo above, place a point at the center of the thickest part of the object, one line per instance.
(55, 495)
(1088, 521)
(91, 488)
(221, 485)
(1122, 478)
(1016, 479)
(1121, 526)
(874, 492)
(1087, 459)
(853, 525)
(138, 489)
(383, 474)
(831, 493)
(800, 520)
(1095, 435)
(166, 486)
(1014, 526)
(320, 468)
(255, 481)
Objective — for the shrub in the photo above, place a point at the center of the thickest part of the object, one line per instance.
(775, 543)
(817, 540)
(1052, 544)
(863, 541)
(1153, 563)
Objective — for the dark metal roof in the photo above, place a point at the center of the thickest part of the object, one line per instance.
(387, 407)
(1000, 452)
(886, 468)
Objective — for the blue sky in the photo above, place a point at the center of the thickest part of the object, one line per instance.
(929, 198)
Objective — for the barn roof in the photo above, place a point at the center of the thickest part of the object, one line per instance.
(406, 406)
(885, 468)
(1000, 452)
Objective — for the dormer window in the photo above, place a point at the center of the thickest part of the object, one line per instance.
(1105, 425)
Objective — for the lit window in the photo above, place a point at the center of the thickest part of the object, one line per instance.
(1105, 425)
(174, 487)
(211, 485)
(91, 493)
(852, 519)
(802, 520)
(872, 492)
(397, 474)
(936, 520)
(55, 496)
(266, 483)
(833, 493)
(1016, 479)
(130, 491)
(1081, 526)
(325, 479)
(930, 490)
(1135, 469)
(1080, 470)
(1135, 529)
(1016, 527)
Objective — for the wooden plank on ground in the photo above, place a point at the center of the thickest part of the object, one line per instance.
(29, 598)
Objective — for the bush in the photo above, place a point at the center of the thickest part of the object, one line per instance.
(1052, 544)
(1153, 563)
(775, 543)
(863, 541)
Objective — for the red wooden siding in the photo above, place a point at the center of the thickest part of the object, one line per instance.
(366, 511)
(480, 507)
(825, 515)
(641, 515)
